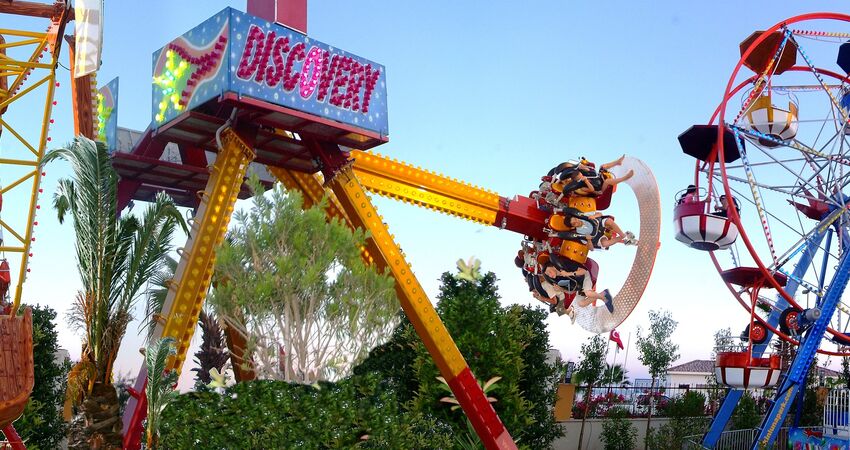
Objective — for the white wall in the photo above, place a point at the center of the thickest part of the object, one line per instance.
(674, 379)
(592, 430)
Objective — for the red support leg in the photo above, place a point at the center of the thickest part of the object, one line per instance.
(13, 438)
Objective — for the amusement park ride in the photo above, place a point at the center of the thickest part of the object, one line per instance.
(252, 92)
(769, 204)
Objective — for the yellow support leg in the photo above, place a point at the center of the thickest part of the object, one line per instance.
(388, 256)
(194, 272)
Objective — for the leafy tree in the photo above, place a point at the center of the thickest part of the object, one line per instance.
(509, 342)
(845, 371)
(657, 351)
(723, 340)
(41, 426)
(160, 386)
(312, 308)
(590, 370)
(618, 432)
(115, 258)
(746, 414)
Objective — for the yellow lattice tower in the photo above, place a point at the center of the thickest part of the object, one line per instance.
(27, 77)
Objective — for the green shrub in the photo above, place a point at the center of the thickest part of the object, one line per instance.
(618, 432)
(691, 404)
(509, 342)
(746, 414)
(358, 411)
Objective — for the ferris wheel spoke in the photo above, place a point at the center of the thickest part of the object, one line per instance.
(817, 75)
(796, 173)
(794, 144)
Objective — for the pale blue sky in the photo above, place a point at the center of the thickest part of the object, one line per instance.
(493, 93)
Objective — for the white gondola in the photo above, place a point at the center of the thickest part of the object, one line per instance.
(774, 114)
(700, 230)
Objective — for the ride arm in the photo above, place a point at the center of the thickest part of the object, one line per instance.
(401, 181)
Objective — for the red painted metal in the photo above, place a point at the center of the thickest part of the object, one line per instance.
(134, 431)
(751, 277)
(13, 439)
(290, 13)
(480, 412)
(522, 215)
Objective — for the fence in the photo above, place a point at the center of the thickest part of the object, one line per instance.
(636, 399)
(739, 440)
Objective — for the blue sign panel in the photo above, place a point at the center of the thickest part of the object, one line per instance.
(236, 52)
(107, 114)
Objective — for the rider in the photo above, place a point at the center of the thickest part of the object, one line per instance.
(597, 230)
(592, 183)
(578, 283)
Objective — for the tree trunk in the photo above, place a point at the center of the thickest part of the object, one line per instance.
(649, 416)
(99, 427)
(588, 398)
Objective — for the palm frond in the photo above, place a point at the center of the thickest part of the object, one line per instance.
(115, 255)
(161, 383)
(160, 283)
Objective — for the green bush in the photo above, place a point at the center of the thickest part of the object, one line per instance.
(687, 418)
(508, 342)
(691, 404)
(618, 432)
(358, 411)
(746, 414)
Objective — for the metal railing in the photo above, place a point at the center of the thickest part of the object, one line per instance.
(740, 440)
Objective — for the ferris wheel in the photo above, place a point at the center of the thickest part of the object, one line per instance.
(771, 195)
(771, 184)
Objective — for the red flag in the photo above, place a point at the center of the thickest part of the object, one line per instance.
(615, 336)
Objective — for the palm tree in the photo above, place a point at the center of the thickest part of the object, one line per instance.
(115, 257)
(160, 388)
(616, 374)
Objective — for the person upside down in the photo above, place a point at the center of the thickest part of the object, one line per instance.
(581, 179)
(562, 288)
(597, 230)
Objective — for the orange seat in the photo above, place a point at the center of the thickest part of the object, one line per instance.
(16, 365)
(575, 251)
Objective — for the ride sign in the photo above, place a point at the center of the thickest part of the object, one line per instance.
(236, 52)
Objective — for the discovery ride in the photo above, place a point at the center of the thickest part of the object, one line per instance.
(242, 92)
(769, 204)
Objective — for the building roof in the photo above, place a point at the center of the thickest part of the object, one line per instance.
(695, 366)
(827, 372)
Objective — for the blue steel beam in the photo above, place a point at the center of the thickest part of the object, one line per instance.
(809, 345)
(723, 415)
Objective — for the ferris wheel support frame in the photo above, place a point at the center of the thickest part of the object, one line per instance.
(718, 424)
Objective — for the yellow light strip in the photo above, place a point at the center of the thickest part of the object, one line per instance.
(18, 162)
(402, 181)
(194, 272)
(20, 43)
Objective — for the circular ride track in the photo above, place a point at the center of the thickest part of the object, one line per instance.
(783, 154)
